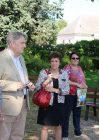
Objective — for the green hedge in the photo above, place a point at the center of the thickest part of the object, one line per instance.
(36, 56)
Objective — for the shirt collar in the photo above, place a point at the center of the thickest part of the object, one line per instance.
(12, 54)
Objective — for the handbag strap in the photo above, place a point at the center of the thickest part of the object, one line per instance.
(47, 71)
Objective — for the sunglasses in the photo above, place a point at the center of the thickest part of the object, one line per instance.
(75, 58)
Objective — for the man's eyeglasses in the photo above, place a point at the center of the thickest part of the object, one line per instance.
(75, 58)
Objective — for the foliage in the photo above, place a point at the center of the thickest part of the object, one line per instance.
(88, 51)
(86, 63)
(36, 65)
(60, 24)
(34, 17)
(65, 61)
(92, 78)
(36, 56)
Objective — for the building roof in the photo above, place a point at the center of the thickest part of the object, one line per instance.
(82, 25)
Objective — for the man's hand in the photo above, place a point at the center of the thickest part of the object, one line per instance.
(19, 85)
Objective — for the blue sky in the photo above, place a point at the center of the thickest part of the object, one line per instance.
(75, 8)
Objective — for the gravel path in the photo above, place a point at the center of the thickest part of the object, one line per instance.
(89, 128)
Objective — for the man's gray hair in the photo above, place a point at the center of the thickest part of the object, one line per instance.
(15, 35)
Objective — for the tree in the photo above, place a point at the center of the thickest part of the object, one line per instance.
(60, 24)
(34, 17)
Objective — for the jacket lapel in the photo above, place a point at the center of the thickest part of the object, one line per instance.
(10, 61)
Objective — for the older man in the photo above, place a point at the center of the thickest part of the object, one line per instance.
(14, 81)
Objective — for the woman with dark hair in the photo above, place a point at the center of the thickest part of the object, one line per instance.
(55, 80)
(77, 79)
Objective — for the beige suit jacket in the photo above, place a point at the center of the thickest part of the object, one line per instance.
(12, 100)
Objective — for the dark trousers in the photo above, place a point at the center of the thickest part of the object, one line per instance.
(70, 105)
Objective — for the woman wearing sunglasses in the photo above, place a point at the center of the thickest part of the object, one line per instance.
(77, 79)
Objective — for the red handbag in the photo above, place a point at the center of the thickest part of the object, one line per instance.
(41, 98)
